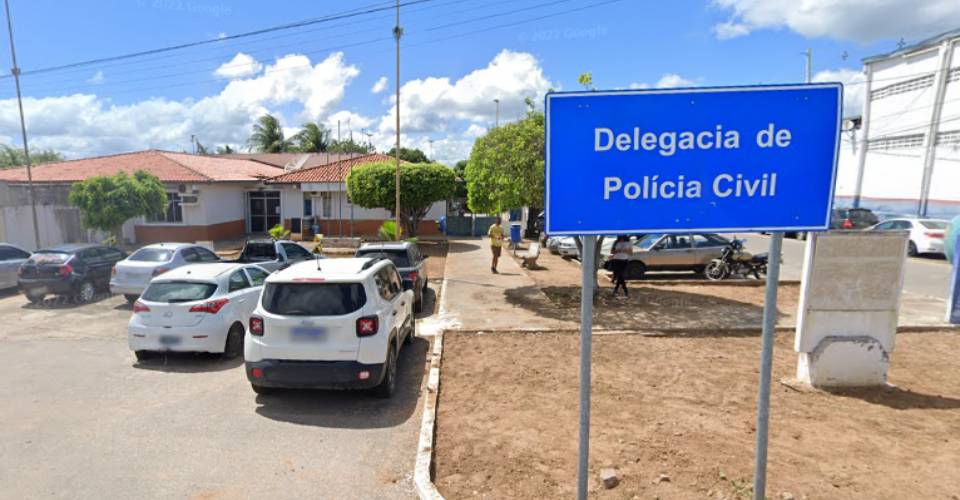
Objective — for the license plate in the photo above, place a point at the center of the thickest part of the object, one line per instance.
(308, 333)
(169, 340)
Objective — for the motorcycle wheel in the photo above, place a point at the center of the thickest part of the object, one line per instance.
(716, 270)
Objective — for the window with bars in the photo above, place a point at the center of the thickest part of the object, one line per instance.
(896, 142)
(174, 212)
(949, 137)
(903, 87)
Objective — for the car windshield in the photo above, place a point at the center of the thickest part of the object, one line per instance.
(263, 251)
(313, 299)
(398, 257)
(934, 224)
(178, 291)
(49, 258)
(647, 241)
(152, 255)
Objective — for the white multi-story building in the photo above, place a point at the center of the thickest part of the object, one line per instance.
(911, 130)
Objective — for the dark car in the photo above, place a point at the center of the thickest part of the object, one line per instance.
(845, 219)
(76, 271)
(409, 261)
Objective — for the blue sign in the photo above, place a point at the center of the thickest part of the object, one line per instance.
(728, 159)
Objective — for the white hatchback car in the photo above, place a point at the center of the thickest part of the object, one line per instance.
(330, 324)
(200, 307)
(926, 235)
(131, 276)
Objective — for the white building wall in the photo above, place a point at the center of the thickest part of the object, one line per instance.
(219, 203)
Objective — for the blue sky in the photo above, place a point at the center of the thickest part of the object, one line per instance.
(457, 56)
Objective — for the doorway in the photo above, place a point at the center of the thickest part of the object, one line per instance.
(263, 209)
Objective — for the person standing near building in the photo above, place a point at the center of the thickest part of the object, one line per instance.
(495, 233)
(622, 250)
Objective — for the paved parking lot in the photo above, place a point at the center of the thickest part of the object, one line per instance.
(83, 419)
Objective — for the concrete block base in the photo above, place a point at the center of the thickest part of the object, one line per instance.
(858, 361)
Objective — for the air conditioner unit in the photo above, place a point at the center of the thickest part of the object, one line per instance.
(189, 199)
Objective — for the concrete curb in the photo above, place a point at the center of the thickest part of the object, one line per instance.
(423, 470)
(692, 332)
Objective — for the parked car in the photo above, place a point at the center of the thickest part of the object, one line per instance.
(409, 261)
(845, 219)
(75, 270)
(131, 276)
(272, 255)
(567, 247)
(339, 323)
(197, 307)
(926, 235)
(674, 252)
(11, 257)
(553, 243)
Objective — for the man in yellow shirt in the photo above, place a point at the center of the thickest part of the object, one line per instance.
(496, 242)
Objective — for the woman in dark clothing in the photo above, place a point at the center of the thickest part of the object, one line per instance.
(622, 250)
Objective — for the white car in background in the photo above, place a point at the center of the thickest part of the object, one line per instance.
(196, 308)
(10, 259)
(131, 276)
(330, 324)
(926, 235)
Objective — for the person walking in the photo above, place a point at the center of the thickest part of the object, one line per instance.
(495, 233)
(622, 250)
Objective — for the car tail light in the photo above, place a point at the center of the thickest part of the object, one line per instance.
(938, 235)
(367, 326)
(160, 270)
(65, 270)
(412, 276)
(210, 306)
(256, 372)
(847, 224)
(140, 307)
(256, 326)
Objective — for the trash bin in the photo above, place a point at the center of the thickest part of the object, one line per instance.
(515, 233)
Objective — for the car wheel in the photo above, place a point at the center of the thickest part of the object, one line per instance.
(912, 249)
(233, 346)
(412, 333)
(35, 297)
(388, 386)
(143, 355)
(85, 293)
(131, 298)
(636, 270)
(418, 305)
(261, 390)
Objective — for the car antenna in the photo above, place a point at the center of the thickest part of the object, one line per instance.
(318, 262)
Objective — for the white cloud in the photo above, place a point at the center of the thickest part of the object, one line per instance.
(853, 88)
(85, 124)
(860, 20)
(242, 65)
(667, 81)
(431, 104)
(96, 79)
(380, 85)
(475, 130)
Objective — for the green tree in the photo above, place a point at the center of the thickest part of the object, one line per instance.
(460, 171)
(267, 136)
(225, 150)
(313, 138)
(409, 155)
(505, 169)
(586, 79)
(106, 202)
(349, 146)
(421, 185)
(13, 157)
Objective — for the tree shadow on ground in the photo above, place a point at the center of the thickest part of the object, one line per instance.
(353, 409)
(462, 247)
(647, 308)
(897, 398)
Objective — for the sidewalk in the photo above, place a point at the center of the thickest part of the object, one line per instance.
(476, 299)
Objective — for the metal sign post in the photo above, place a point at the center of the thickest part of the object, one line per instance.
(682, 161)
(766, 364)
(586, 347)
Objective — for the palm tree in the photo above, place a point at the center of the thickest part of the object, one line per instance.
(267, 136)
(225, 150)
(313, 138)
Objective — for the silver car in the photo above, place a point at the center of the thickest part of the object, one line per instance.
(10, 259)
(131, 276)
(671, 252)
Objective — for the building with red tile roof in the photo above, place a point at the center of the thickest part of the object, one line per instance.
(331, 172)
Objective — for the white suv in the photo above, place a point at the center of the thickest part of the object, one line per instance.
(330, 324)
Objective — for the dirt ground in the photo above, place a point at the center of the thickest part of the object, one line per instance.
(685, 408)
(650, 306)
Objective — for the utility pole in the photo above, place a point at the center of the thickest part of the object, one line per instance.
(397, 33)
(498, 113)
(23, 129)
(430, 142)
(809, 55)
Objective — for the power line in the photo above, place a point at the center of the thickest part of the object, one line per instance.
(307, 22)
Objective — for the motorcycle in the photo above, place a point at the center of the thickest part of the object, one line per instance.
(734, 261)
